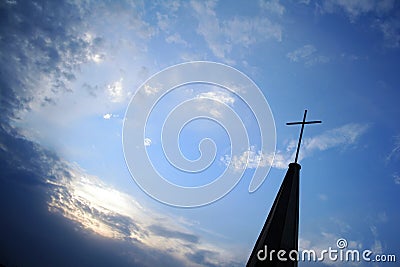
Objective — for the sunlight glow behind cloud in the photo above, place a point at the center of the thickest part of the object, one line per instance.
(110, 213)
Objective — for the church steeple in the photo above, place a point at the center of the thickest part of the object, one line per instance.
(277, 244)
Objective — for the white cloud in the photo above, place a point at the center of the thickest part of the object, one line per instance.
(396, 178)
(395, 153)
(390, 29)
(251, 159)
(163, 21)
(339, 137)
(150, 90)
(220, 96)
(147, 142)
(273, 6)
(301, 53)
(173, 6)
(107, 116)
(376, 247)
(308, 55)
(223, 36)
(282, 160)
(166, 21)
(11, 2)
(343, 136)
(317, 60)
(211, 108)
(115, 91)
(305, 2)
(175, 39)
(246, 32)
(356, 8)
(142, 28)
(388, 25)
(97, 58)
(352, 8)
(382, 217)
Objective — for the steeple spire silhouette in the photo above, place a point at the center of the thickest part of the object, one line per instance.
(281, 229)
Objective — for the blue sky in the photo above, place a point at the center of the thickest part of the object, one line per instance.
(70, 68)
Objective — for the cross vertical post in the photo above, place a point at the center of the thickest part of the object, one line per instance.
(304, 122)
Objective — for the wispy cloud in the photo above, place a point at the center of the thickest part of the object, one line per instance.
(396, 179)
(390, 29)
(343, 136)
(308, 55)
(222, 36)
(395, 153)
(150, 90)
(382, 217)
(357, 8)
(384, 21)
(221, 96)
(251, 158)
(273, 6)
(175, 38)
(301, 53)
(305, 2)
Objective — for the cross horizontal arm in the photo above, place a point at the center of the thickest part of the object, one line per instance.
(300, 122)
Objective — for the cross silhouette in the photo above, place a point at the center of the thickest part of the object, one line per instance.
(304, 122)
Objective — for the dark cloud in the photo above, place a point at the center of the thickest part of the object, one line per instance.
(201, 257)
(42, 44)
(162, 231)
(32, 236)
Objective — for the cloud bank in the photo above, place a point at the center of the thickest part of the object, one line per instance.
(99, 218)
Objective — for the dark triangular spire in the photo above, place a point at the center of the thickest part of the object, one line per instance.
(279, 236)
(280, 231)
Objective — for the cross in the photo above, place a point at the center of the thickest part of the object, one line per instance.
(301, 131)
